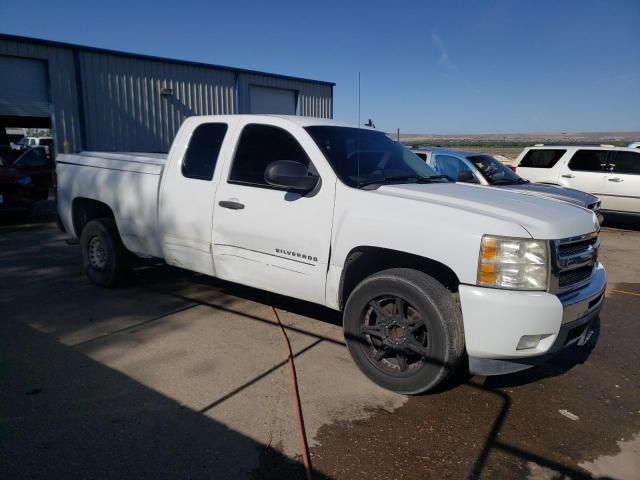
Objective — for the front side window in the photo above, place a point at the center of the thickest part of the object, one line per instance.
(454, 168)
(545, 158)
(626, 162)
(494, 171)
(589, 160)
(360, 156)
(202, 153)
(259, 145)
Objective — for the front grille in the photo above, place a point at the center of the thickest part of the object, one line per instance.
(576, 248)
(573, 262)
(571, 277)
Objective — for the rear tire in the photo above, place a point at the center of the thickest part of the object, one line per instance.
(404, 330)
(105, 259)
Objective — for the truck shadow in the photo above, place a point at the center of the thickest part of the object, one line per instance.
(68, 416)
(492, 386)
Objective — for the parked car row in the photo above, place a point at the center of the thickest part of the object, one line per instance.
(601, 178)
(610, 173)
(482, 169)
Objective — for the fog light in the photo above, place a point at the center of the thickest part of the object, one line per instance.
(529, 341)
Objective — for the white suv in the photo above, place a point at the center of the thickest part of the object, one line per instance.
(611, 173)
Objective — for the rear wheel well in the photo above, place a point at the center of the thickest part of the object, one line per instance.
(363, 262)
(86, 209)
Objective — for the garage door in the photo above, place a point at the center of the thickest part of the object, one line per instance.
(272, 100)
(23, 87)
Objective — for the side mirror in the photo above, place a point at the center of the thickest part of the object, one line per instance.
(291, 175)
(466, 176)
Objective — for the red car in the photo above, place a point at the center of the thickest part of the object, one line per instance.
(16, 191)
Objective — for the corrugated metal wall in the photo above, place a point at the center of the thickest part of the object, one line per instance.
(108, 101)
(62, 86)
(314, 99)
(124, 110)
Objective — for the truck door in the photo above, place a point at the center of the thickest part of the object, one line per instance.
(268, 237)
(187, 194)
(622, 183)
(585, 171)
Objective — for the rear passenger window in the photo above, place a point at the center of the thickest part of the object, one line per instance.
(423, 156)
(627, 162)
(203, 150)
(259, 145)
(541, 158)
(589, 160)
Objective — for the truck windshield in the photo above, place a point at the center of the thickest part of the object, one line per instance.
(494, 171)
(363, 157)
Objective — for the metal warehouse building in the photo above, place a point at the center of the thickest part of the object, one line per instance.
(96, 99)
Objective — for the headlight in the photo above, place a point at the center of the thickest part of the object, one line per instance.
(514, 263)
(24, 181)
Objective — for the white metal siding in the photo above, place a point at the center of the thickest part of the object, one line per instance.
(120, 107)
(124, 108)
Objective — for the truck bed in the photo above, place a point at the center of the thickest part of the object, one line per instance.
(126, 182)
(151, 163)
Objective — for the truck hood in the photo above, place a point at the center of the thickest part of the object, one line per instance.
(557, 192)
(541, 217)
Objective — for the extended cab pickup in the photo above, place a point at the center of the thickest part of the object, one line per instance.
(428, 273)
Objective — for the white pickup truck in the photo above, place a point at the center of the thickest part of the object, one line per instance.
(428, 273)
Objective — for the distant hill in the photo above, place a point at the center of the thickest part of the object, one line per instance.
(521, 139)
(507, 146)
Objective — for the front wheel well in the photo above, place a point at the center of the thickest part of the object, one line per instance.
(365, 261)
(86, 209)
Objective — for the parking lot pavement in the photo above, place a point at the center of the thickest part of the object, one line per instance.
(178, 375)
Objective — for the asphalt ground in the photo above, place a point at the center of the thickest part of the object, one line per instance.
(177, 375)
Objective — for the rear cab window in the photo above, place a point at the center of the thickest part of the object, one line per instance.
(200, 159)
(541, 158)
(589, 160)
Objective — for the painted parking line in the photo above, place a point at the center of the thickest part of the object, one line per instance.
(625, 292)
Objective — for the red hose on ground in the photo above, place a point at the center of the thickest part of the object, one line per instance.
(306, 459)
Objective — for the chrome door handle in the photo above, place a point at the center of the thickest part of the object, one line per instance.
(231, 205)
(615, 179)
(568, 175)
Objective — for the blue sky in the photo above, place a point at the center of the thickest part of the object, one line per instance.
(426, 66)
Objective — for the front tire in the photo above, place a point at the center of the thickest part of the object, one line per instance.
(105, 259)
(404, 330)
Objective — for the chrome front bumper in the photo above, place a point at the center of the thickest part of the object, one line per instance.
(582, 302)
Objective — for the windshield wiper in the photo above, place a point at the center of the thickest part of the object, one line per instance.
(503, 181)
(401, 178)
